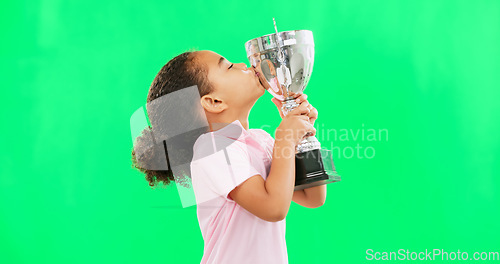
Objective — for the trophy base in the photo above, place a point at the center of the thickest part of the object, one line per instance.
(310, 171)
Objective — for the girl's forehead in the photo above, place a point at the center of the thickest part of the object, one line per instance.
(209, 57)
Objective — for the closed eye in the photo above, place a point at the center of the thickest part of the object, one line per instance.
(230, 66)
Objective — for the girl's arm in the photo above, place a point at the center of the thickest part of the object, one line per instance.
(270, 199)
(311, 197)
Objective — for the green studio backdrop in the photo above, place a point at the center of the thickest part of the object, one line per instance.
(421, 77)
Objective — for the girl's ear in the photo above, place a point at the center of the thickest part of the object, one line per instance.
(212, 104)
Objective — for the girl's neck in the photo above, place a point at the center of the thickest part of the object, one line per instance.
(219, 121)
(214, 126)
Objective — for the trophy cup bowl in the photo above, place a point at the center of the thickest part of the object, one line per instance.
(285, 59)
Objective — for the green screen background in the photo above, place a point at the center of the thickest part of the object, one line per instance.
(426, 71)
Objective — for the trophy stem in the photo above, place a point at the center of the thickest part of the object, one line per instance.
(288, 105)
(309, 142)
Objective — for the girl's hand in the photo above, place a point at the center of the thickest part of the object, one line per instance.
(295, 125)
(299, 98)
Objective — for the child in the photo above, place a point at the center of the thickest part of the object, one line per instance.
(242, 178)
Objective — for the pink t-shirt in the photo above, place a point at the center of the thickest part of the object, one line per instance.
(222, 160)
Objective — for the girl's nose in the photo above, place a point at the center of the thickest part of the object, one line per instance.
(242, 66)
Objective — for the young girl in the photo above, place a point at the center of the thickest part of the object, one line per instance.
(243, 179)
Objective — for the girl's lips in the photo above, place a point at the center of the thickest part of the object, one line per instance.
(260, 81)
(255, 71)
(257, 74)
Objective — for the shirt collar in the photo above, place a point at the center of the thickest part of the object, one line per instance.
(234, 130)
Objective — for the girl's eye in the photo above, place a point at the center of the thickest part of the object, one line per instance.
(230, 66)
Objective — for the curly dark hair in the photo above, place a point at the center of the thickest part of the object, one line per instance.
(180, 72)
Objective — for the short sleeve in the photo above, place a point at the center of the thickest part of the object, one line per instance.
(268, 139)
(220, 165)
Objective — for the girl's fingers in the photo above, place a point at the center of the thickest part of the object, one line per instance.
(313, 112)
(311, 130)
(276, 102)
(301, 98)
(302, 109)
(313, 115)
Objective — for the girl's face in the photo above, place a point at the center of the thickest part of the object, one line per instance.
(235, 85)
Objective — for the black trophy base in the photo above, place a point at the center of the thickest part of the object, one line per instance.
(310, 172)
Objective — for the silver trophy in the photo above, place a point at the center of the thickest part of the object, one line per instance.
(286, 60)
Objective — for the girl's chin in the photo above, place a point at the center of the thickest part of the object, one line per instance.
(260, 86)
(261, 89)
(260, 94)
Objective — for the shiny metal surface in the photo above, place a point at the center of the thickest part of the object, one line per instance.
(285, 62)
(285, 79)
